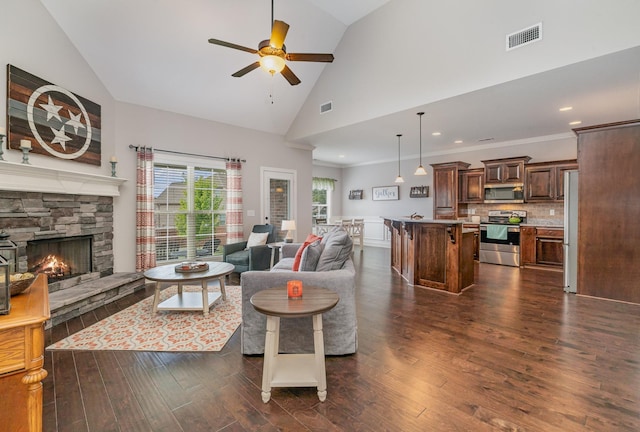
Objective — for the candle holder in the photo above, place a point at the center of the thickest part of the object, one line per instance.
(1, 146)
(113, 168)
(25, 155)
(294, 289)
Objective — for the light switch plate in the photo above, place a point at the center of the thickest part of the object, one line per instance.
(251, 213)
(552, 212)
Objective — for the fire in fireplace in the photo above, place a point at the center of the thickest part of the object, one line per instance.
(60, 258)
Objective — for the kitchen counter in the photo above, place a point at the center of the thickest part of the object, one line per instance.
(432, 253)
(437, 221)
(543, 223)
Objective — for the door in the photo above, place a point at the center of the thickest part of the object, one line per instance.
(278, 196)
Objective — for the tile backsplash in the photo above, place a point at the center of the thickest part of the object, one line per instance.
(536, 212)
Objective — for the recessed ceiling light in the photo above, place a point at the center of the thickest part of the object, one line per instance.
(436, 134)
(457, 142)
(340, 156)
(573, 123)
(567, 108)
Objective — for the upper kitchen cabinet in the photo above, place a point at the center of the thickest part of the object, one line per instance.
(509, 170)
(472, 186)
(544, 181)
(446, 189)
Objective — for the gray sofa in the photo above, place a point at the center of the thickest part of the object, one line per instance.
(296, 334)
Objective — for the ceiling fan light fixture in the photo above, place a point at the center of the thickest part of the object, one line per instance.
(272, 64)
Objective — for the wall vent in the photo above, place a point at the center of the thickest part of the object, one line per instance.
(524, 37)
(326, 107)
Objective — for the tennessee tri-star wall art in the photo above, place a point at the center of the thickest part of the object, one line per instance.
(58, 122)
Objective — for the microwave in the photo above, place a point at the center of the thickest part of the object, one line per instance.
(504, 193)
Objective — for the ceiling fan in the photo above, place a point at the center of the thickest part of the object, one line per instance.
(273, 53)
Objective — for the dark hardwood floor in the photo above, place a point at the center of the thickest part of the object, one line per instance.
(512, 353)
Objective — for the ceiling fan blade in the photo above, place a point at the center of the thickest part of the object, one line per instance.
(309, 57)
(231, 45)
(290, 76)
(278, 33)
(246, 70)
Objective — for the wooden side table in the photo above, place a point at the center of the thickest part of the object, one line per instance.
(22, 358)
(293, 370)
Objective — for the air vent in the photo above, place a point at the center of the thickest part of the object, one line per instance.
(524, 37)
(326, 107)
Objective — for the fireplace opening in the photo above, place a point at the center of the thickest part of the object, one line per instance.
(60, 258)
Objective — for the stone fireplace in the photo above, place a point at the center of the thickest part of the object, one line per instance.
(73, 232)
(60, 216)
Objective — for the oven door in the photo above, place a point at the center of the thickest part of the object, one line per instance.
(513, 236)
(500, 251)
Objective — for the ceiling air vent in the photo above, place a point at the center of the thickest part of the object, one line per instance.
(326, 107)
(524, 37)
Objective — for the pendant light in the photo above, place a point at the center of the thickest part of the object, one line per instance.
(420, 170)
(399, 179)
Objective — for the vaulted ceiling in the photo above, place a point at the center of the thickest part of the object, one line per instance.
(393, 58)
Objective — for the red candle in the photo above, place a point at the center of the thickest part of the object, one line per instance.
(294, 289)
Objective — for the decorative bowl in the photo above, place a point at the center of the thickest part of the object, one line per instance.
(20, 282)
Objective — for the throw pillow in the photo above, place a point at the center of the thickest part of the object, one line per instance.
(310, 239)
(311, 256)
(337, 248)
(257, 239)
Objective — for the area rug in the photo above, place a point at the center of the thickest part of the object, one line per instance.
(137, 328)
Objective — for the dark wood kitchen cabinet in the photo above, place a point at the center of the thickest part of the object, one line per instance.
(608, 232)
(446, 189)
(472, 186)
(541, 247)
(527, 245)
(549, 246)
(508, 170)
(545, 181)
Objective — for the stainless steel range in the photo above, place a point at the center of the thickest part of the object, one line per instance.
(500, 237)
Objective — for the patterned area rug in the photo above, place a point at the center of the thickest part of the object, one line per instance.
(137, 328)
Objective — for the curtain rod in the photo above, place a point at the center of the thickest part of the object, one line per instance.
(131, 146)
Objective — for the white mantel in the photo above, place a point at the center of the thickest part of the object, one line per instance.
(31, 178)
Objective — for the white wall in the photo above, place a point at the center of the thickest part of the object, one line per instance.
(142, 126)
(441, 49)
(31, 40)
(368, 176)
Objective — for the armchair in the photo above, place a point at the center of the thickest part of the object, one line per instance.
(254, 258)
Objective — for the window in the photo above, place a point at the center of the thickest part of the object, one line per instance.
(321, 199)
(189, 201)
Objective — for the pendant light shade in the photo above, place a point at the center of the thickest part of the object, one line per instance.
(420, 170)
(399, 179)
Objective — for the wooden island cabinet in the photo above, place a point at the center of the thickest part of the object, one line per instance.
(432, 253)
(22, 358)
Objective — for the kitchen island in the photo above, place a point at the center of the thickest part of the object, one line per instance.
(432, 253)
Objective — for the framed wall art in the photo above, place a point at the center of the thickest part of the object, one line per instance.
(58, 122)
(385, 193)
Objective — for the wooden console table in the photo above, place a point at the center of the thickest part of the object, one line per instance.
(22, 358)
